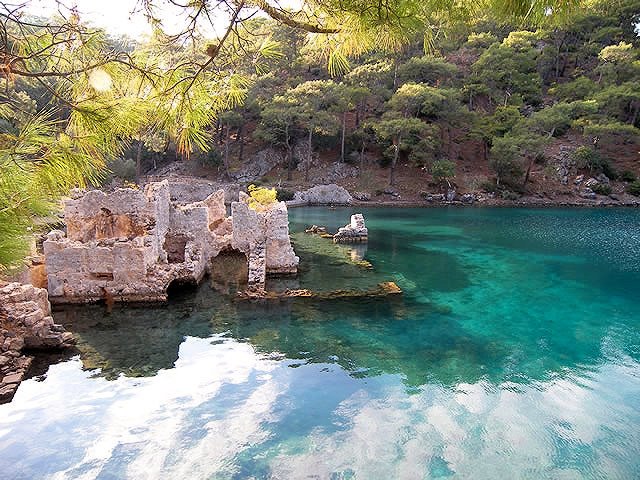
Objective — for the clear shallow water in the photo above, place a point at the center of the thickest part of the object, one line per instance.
(513, 353)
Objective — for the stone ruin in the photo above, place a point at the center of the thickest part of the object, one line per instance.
(131, 245)
(354, 232)
(26, 325)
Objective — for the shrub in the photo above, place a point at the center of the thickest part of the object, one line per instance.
(601, 189)
(634, 188)
(443, 170)
(213, 158)
(489, 186)
(261, 198)
(587, 157)
(284, 195)
(509, 195)
(124, 168)
(628, 176)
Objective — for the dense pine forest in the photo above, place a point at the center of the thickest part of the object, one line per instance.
(408, 101)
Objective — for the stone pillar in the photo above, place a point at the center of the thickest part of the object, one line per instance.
(257, 266)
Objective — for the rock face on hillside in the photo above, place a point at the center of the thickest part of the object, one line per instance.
(354, 232)
(130, 245)
(324, 195)
(25, 324)
(258, 165)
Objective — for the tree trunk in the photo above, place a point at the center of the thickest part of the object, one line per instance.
(344, 132)
(241, 140)
(529, 167)
(395, 75)
(225, 161)
(139, 159)
(362, 157)
(309, 155)
(636, 111)
(219, 130)
(394, 162)
(289, 153)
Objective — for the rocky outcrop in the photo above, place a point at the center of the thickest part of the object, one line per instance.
(130, 245)
(25, 324)
(324, 195)
(354, 232)
(258, 165)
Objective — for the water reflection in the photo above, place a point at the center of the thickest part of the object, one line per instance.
(499, 361)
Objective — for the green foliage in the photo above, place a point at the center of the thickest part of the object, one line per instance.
(426, 148)
(634, 188)
(124, 168)
(601, 189)
(480, 40)
(607, 131)
(618, 63)
(213, 158)
(284, 195)
(578, 89)
(509, 71)
(431, 70)
(509, 195)
(556, 119)
(505, 159)
(443, 170)
(628, 176)
(621, 102)
(589, 158)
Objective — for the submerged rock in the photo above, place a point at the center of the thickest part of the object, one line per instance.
(316, 229)
(381, 290)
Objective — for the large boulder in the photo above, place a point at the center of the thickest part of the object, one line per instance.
(324, 195)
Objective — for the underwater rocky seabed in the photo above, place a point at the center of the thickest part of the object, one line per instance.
(514, 352)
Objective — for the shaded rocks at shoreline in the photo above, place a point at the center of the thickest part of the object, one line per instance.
(25, 325)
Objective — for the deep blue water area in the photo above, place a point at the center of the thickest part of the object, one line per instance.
(513, 353)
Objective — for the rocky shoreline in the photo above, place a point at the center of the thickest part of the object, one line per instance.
(26, 327)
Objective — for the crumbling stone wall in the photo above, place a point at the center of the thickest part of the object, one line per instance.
(130, 245)
(271, 228)
(25, 324)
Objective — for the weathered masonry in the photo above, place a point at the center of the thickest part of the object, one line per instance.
(130, 245)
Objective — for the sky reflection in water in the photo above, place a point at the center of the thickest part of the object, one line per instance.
(514, 353)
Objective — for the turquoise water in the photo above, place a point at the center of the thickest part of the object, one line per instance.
(513, 353)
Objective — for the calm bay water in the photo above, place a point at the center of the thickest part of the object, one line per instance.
(513, 353)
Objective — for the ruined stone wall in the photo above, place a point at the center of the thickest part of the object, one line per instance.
(112, 246)
(130, 245)
(270, 228)
(25, 324)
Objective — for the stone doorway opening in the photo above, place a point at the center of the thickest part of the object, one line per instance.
(229, 271)
(175, 245)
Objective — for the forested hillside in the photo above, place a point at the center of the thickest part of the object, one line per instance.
(395, 102)
(484, 106)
